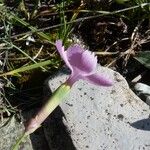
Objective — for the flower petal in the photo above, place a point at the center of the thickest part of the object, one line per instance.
(98, 79)
(62, 53)
(81, 60)
(74, 49)
(88, 62)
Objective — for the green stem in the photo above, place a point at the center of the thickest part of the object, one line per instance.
(16, 146)
(45, 111)
(48, 108)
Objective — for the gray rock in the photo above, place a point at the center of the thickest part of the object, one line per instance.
(143, 91)
(142, 88)
(10, 131)
(104, 118)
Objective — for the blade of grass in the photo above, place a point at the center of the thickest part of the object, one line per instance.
(62, 29)
(19, 49)
(35, 8)
(22, 7)
(100, 13)
(26, 68)
(21, 139)
(69, 26)
(16, 47)
(33, 29)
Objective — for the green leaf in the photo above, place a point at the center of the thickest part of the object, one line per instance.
(144, 58)
(26, 68)
(121, 1)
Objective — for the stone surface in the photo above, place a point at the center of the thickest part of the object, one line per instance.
(10, 131)
(104, 118)
(143, 91)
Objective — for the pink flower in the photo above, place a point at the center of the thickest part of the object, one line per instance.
(82, 64)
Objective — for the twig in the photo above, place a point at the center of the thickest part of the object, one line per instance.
(137, 78)
(38, 52)
(134, 43)
(106, 53)
(116, 42)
